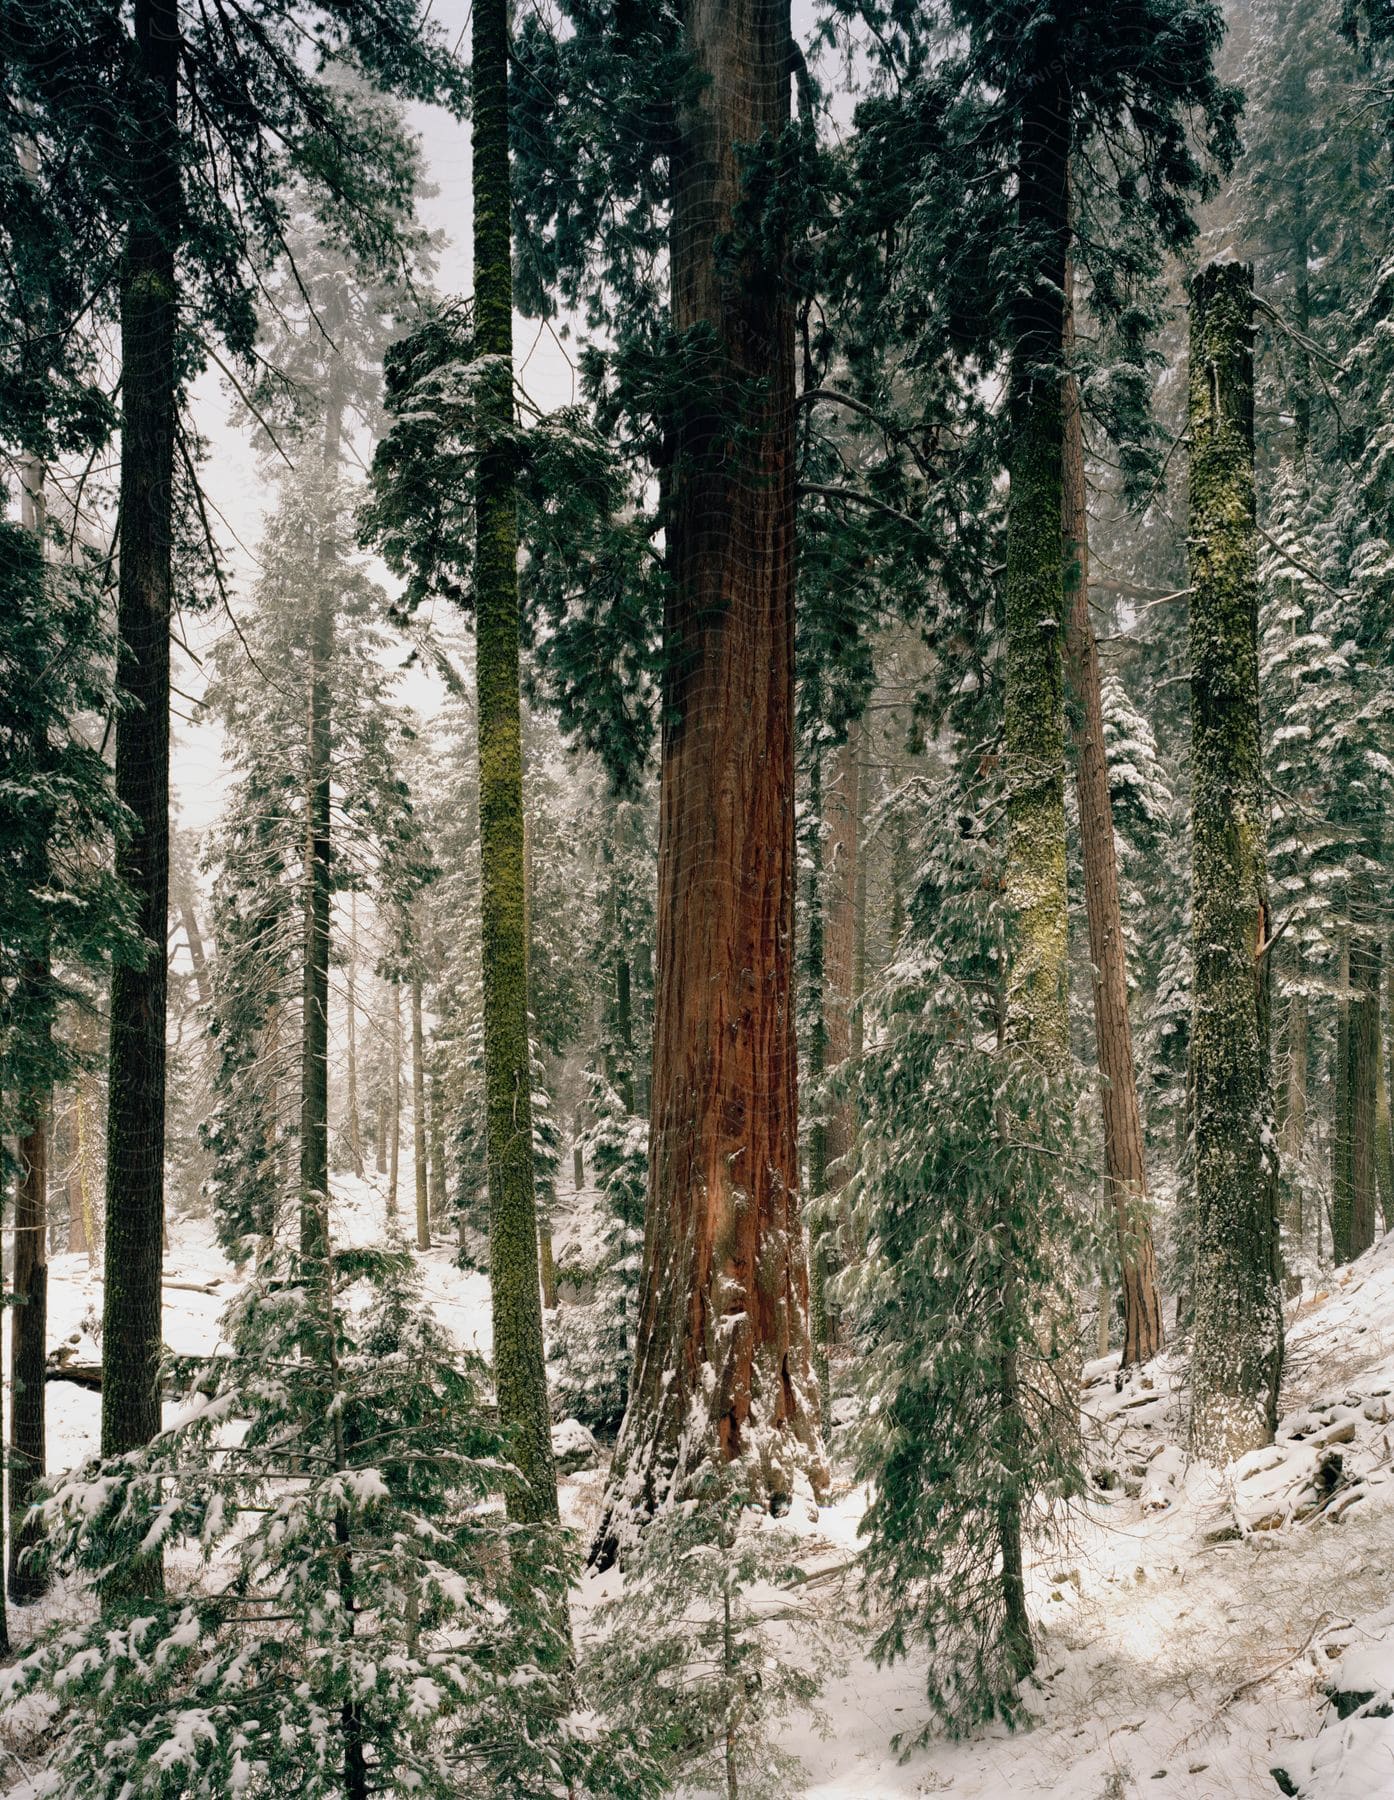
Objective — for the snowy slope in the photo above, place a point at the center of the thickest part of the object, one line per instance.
(1199, 1629)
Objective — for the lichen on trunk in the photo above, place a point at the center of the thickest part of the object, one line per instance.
(519, 1358)
(1237, 1344)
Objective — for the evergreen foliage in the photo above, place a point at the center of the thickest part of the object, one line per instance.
(592, 1348)
(61, 911)
(353, 1612)
(711, 1645)
(257, 859)
(963, 1306)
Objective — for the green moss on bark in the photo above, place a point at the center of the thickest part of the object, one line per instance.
(1238, 1332)
(519, 1362)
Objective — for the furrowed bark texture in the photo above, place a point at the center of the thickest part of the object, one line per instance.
(1034, 719)
(136, 1108)
(1237, 1345)
(318, 877)
(1125, 1173)
(519, 1369)
(722, 1364)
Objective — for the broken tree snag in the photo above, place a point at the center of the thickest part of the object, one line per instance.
(722, 1366)
(1238, 1328)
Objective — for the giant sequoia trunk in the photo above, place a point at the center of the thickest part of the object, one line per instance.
(1125, 1175)
(519, 1364)
(318, 896)
(1033, 701)
(1238, 1331)
(722, 1365)
(136, 1110)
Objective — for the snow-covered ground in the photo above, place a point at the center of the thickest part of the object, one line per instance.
(1199, 1630)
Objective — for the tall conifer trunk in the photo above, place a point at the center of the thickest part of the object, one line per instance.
(519, 1366)
(131, 1328)
(1125, 1174)
(1237, 1344)
(314, 1025)
(722, 1364)
(1034, 721)
(29, 1272)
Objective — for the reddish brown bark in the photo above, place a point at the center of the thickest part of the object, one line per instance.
(28, 1346)
(1125, 1173)
(722, 1367)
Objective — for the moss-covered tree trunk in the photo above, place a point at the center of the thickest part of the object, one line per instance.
(1033, 700)
(134, 1245)
(318, 875)
(519, 1366)
(1237, 1344)
(1125, 1173)
(722, 1366)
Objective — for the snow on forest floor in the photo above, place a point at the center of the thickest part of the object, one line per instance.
(1198, 1630)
